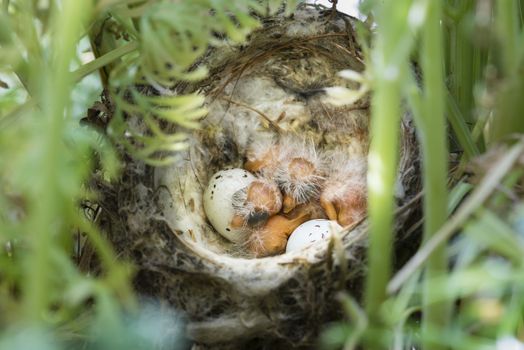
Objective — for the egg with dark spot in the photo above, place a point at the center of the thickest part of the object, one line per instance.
(218, 200)
(310, 232)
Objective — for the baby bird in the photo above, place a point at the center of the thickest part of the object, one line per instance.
(263, 156)
(271, 239)
(256, 203)
(344, 196)
(293, 163)
(299, 174)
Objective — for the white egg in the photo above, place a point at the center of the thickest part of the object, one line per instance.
(218, 198)
(310, 232)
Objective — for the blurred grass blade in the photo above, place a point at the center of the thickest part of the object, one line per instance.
(358, 319)
(495, 235)
(472, 203)
(104, 60)
(457, 194)
(56, 88)
(389, 62)
(460, 128)
(433, 136)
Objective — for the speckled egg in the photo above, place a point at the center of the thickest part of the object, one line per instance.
(310, 232)
(218, 200)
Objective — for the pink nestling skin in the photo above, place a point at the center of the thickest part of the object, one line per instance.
(299, 170)
(271, 239)
(300, 181)
(346, 205)
(267, 161)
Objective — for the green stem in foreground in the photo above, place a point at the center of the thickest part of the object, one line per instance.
(381, 183)
(48, 220)
(104, 60)
(389, 57)
(432, 130)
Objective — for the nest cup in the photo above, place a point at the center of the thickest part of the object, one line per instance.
(269, 88)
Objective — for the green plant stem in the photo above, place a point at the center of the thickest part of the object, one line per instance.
(507, 32)
(102, 42)
(460, 128)
(509, 91)
(466, 61)
(435, 168)
(389, 58)
(382, 158)
(50, 204)
(104, 60)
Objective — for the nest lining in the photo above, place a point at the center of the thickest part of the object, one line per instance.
(270, 87)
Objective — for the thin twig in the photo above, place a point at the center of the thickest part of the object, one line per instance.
(265, 117)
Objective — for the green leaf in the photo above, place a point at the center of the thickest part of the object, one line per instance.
(497, 236)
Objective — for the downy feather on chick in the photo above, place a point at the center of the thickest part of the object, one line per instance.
(300, 173)
(263, 156)
(293, 163)
(344, 192)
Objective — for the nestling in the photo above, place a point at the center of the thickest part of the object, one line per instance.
(236, 200)
(271, 239)
(293, 163)
(256, 203)
(344, 196)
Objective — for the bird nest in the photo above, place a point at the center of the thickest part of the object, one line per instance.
(266, 93)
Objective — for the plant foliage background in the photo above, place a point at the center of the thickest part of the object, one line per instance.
(456, 65)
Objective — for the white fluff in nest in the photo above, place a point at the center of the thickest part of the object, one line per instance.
(306, 23)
